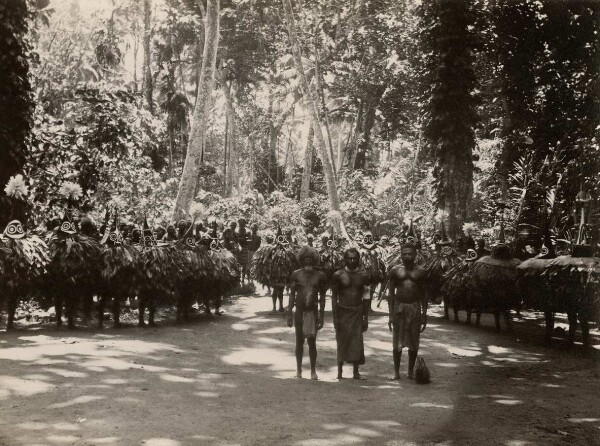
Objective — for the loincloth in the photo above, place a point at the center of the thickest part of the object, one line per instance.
(407, 326)
(306, 323)
(349, 334)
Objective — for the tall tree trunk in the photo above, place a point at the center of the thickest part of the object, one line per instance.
(273, 159)
(189, 177)
(321, 96)
(447, 40)
(308, 162)
(334, 201)
(225, 150)
(148, 83)
(136, 47)
(16, 101)
(363, 148)
(338, 156)
(232, 156)
(354, 139)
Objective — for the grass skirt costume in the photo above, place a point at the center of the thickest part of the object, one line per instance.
(576, 281)
(456, 286)
(273, 264)
(73, 264)
(198, 273)
(438, 266)
(331, 259)
(371, 261)
(535, 286)
(158, 265)
(495, 281)
(226, 267)
(118, 270)
(23, 259)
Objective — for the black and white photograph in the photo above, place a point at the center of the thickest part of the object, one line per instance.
(299, 222)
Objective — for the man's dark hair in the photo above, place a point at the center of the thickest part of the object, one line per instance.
(307, 251)
(409, 246)
(351, 251)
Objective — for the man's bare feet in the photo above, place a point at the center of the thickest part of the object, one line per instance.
(314, 376)
(395, 378)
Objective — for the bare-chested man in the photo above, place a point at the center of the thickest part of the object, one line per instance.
(408, 308)
(350, 303)
(308, 289)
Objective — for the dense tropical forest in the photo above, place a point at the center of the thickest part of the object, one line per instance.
(459, 113)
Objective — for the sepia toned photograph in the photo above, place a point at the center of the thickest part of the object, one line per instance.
(299, 222)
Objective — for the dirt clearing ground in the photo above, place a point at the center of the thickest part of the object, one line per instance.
(229, 381)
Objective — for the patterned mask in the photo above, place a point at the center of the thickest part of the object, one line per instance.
(14, 230)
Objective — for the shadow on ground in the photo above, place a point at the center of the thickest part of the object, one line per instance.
(230, 380)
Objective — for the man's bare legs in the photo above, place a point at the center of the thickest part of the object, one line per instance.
(355, 373)
(412, 358)
(277, 295)
(396, 354)
(280, 297)
(299, 354)
(312, 354)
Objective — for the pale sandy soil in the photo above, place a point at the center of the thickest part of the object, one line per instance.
(229, 381)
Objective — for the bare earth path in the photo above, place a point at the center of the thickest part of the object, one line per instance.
(229, 381)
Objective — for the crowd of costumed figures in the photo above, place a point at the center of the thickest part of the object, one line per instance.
(76, 266)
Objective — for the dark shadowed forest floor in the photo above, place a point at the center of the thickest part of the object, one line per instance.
(230, 381)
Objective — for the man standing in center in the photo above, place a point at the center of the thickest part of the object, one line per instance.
(308, 288)
(407, 303)
(350, 300)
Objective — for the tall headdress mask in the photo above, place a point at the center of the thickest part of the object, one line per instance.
(281, 239)
(147, 235)
(188, 236)
(14, 230)
(112, 234)
(368, 241)
(471, 255)
(67, 225)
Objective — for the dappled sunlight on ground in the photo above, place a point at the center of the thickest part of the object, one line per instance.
(231, 380)
(160, 442)
(357, 432)
(11, 386)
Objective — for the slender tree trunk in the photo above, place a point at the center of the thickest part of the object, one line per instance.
(363, 148)
(308, 162)
(341, 131)
(225, 148)
(232, 150)
(342, 158)
(334, 201)
(355, 135)
(136, 48)
(273, 161)
(187, 185)
(148, 83)
(321, 95)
